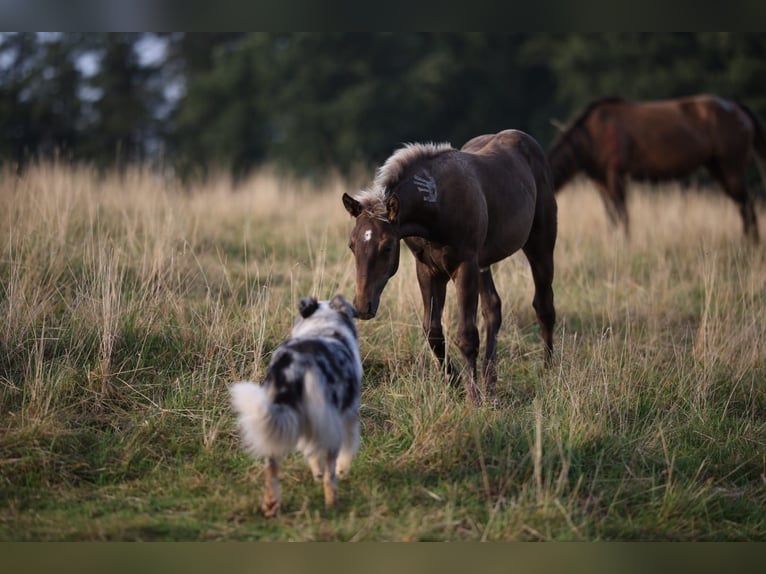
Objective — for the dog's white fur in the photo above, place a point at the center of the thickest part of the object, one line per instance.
(321, 418)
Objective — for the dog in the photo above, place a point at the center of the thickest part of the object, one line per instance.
(309, 400)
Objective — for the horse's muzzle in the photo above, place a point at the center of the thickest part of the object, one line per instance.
(364, 312)
(364, 315)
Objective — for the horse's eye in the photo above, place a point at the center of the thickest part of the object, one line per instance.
(387, 248)
(351, 245)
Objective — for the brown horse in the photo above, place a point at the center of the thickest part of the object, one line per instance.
(614, 138)
(459, 211)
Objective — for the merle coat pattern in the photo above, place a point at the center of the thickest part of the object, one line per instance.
(309, 400)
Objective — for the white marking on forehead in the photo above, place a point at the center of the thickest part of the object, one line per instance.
(368, 235)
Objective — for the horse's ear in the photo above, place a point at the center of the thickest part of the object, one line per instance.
(558, 125)
(352, 205)
(392, 207)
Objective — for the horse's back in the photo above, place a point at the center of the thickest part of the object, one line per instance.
(517, 185)
(660, 138)
(505, 142)
(732, 127)
(697, 120)
(509, 147)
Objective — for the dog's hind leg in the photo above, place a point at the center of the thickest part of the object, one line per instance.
(316, 465)
(271, 494)
(350, 445)
(330, 480)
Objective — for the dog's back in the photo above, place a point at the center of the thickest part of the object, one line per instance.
(310, 384)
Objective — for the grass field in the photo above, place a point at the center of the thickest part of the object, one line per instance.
(128, 305)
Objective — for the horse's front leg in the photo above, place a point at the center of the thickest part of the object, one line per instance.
(433, 288)
(615, 183)
(467, 286)
(612, 192)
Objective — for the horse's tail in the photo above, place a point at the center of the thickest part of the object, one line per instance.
(759, 139)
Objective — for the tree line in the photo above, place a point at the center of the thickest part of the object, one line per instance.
(313, 102)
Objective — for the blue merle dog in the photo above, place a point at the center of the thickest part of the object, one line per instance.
(309, 400)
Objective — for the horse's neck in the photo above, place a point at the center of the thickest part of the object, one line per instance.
(570, 157)
(418, 208)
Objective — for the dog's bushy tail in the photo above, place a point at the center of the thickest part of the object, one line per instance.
(267, 429)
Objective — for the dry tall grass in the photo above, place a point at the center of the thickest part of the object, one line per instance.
(130, 302)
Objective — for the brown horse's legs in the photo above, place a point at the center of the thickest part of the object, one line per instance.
(749, 219)
(433, 289)
(467, 285)
(615, 183)
(491, 310)
(541, 262)
(609, 204)
(733, 184)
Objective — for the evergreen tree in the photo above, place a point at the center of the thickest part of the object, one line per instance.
(19, 53)
(313, 102)
(56, 108)
(122, 117)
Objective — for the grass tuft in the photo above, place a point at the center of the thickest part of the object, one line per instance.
(131, 303)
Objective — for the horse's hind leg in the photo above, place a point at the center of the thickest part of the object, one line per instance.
(467, 286)
(491, 310)
(749, 219)
(733, 183)
(539, 252)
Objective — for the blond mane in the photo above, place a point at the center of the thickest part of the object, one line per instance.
(373, 200)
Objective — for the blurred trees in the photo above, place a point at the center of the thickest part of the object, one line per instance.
(310, 102)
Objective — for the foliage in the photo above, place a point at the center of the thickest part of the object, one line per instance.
(317, 102)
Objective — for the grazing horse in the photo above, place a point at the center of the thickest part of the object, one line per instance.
(614, 138)
(459, 211)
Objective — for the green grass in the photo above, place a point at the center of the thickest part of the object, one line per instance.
(129, 305)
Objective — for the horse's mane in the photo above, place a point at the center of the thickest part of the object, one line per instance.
(373, 200)
(580, 118)
(593, 105)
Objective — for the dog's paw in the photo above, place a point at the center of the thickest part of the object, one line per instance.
(270, 508)
(316, 468)
(343, 467)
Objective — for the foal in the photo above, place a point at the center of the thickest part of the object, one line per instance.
(459, 211)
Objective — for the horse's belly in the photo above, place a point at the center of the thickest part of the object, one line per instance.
(506, 237)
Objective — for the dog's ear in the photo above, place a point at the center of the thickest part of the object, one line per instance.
(340, 304)
(307, 306)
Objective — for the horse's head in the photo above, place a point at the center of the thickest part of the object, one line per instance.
(375, 244)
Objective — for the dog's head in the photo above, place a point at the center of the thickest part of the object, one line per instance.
(308, 305)
(320, 316)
